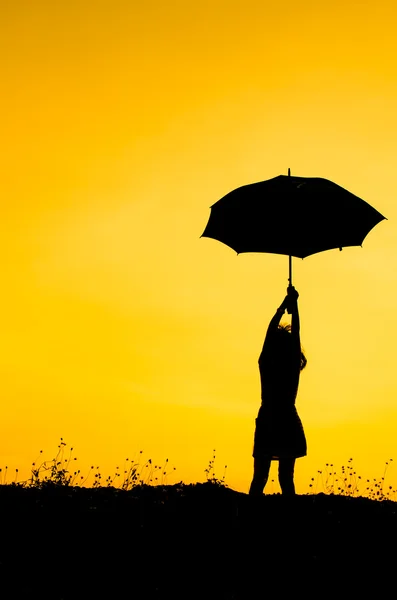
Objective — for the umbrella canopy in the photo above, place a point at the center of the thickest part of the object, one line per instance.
(296, 216)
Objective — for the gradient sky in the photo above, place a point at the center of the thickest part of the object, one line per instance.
(122, 330)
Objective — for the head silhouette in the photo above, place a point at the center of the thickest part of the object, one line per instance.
(283, 344)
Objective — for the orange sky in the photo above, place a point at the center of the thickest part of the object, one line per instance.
(121, 329)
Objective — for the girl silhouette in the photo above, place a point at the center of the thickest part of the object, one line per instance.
(279, 434)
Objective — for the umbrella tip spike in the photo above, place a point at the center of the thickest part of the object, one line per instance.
(289, 172)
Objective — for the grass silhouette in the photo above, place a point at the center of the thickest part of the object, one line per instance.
(67, 535)
(138, 472)
(347, 482)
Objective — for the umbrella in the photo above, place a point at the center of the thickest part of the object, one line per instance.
(295, 216)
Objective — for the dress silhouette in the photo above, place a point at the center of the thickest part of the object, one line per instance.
(279, 433)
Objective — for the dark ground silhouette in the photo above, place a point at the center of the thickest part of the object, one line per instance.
(191, 541)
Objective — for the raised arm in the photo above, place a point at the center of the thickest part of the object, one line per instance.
(292, 300)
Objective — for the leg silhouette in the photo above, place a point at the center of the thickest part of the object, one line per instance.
(286, 468)
(261, 474)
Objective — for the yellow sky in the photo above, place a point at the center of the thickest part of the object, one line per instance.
(122, 330)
